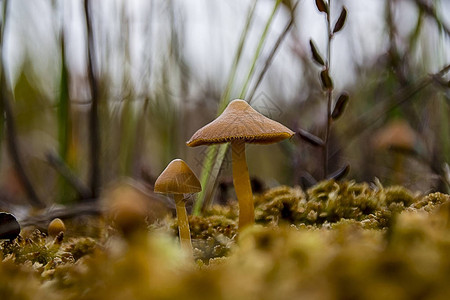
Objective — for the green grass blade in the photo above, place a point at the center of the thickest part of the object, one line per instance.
(64, 128)
(209, 174)
(215, 155)
(258, 50)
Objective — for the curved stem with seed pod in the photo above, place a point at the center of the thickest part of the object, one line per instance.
(178, 179)
(239, 124)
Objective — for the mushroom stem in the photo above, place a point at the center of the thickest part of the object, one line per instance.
(242, 186)
(183, 224)
(398, 168)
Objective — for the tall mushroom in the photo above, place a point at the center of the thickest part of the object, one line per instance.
(239, 124)
(178, 179)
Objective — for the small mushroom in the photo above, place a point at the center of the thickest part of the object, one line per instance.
(399, 136)
(396, 134)
(55, 227)
(178, 179)
(9, 227)
(131, 207)
(239, 124)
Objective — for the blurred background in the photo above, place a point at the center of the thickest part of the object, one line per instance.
(93, 91)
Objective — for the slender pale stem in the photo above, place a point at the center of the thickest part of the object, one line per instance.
(183, 224)
(242, 186)
(398, 168)
(329, 97)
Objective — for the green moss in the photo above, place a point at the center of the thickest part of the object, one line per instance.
(34, 249)
(336, 240)
(431, 201)
(80, 247)
(212, 236)
(279, 205)
(398, 194)
(330, 202)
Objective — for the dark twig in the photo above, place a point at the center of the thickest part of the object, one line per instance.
(11, 140)
(63, 169)
(94, 140)
(92, 208)
(13, 149)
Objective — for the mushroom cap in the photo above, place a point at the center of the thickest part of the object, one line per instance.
(396, 134)
(177, 178)
(239, 121)
(55, 227)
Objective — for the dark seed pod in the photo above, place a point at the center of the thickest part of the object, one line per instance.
(322, 6)
(341, 20)
(327, 83)
(9, 227)
(310, 138)
(315, 54)
(340, 105)
(341, 173)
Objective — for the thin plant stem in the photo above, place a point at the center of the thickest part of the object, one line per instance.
(11, 134)
(94, 135)
(329, 96)
(64, 122)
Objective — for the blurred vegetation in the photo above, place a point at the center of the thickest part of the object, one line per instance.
(96, 97)
(382, 242)
(95, 91)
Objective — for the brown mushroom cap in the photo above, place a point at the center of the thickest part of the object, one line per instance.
(177, 178)
(239, 121)
(55, 227)
(395, 134)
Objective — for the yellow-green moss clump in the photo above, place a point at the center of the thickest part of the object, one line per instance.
(331, 202)
(211, 236)
(334, 241)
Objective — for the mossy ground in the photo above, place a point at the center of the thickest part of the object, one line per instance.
(334, 241)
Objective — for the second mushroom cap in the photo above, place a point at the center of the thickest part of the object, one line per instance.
(177, 178)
